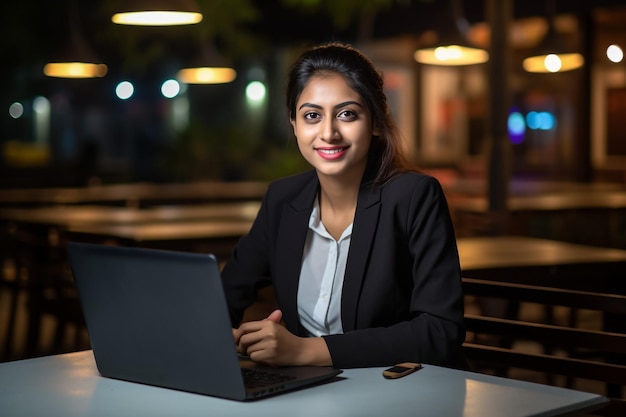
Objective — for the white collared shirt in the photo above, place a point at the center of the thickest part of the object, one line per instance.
(321, 277)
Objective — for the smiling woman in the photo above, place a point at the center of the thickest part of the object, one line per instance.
(333, 128)
(360, 250)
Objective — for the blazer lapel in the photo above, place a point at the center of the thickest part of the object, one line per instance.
(363, 231)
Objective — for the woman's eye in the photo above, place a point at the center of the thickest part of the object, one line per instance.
(311, 116)
(347, 114)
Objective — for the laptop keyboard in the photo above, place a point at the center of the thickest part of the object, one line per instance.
(255, 378)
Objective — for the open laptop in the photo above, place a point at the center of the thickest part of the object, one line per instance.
(160, 318)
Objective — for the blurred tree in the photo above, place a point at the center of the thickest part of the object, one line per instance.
(343, 12)
(346, 12)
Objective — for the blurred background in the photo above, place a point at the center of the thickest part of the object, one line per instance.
(140, 122)
(166, 136)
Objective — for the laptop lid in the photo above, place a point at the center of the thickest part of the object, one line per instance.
(160, 318)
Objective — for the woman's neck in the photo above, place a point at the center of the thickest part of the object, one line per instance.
(338, 201)
(339, 191)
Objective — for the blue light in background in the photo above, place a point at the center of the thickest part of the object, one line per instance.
(534, 120)
(540, 120)
(516, 127)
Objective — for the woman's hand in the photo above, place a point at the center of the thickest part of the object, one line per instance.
(269, 342)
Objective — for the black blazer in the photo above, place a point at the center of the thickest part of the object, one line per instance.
(402, 297)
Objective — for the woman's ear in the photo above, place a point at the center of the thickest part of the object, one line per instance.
(292, 122)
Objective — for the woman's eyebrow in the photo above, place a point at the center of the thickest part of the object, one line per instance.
(315, 106)
(345, 103)
(348, 103)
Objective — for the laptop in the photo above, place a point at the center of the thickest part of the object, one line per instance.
(160, 318)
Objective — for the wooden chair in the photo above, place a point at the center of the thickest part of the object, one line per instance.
(41, 277)
(570, 351)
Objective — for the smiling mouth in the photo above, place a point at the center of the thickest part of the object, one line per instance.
(331, 151)
(332, 154)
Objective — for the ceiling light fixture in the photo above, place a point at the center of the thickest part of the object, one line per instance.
(75, 70)
(78, 61)
(551, 54)
(453, 48)
(206, 75)
(209, 68)
(158, 13)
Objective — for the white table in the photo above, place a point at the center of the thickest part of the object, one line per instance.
(69, 385)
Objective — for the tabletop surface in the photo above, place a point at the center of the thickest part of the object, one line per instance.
(75, 215)
(166, 231)
(69, 385)
(514, 251)
(546, 202)
(522, 187)
(134, 192)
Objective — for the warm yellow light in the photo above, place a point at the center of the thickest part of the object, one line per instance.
(75, 70)
(451, 55)
(552, 63)
(206, 75)
(157, 18)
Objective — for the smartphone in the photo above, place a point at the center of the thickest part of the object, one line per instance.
(401, 369)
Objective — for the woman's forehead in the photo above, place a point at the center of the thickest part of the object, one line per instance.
(329, 84)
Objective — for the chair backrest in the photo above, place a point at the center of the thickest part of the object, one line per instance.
(567, 350)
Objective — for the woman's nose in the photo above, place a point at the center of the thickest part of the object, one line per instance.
(328, 131)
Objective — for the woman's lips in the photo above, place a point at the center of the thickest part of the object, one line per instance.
(331, 153)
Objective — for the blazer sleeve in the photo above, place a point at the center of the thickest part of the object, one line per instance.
(248, 268)
(411, 299)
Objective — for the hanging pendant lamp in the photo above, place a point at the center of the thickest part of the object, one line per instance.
(158, 13)
(453, 47)
(77, 61)
(551, 55)
(208, 68)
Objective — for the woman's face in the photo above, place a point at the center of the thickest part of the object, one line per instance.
(333, 127)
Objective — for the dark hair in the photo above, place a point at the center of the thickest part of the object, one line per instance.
(363, 77)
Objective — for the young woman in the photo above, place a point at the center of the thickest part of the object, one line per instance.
(360, 250)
